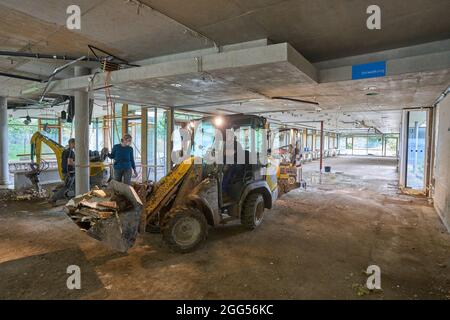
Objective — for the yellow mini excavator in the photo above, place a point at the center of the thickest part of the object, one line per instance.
(197, 193)
(97, 167)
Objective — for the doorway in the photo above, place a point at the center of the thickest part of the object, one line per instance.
(416, 155)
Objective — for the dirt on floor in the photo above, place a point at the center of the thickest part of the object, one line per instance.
(314, 244)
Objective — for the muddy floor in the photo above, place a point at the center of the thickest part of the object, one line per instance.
(316, 243)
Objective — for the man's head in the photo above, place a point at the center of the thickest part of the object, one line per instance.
(72, 143)
(126, 140)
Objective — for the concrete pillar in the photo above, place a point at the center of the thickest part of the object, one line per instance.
(4, 170)
(442, 162)
(81, 136)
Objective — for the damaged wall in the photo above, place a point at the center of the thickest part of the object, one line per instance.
(442, 163)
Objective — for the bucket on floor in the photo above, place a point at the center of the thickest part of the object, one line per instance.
(327, 169)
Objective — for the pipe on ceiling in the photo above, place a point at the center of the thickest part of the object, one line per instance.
(42, 56)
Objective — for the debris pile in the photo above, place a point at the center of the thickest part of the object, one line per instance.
(85, 210)
(143, 189)
(111, 216)
(23, 194)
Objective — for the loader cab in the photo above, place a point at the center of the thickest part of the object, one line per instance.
(235, 148)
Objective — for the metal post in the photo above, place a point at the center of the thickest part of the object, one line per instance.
(81, 136)
(321, 146)
(4, 169)
(97, 147)
(124, 115)
(144, 144)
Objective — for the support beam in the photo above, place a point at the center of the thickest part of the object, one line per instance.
(124, 116)
(4, 169)
(81, 136)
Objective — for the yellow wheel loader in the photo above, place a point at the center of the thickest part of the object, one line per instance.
(198, 192)
(97, 167)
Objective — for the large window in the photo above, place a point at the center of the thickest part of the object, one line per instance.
(375, 145)
(309, 139)
(317, 141)
(156, 143)
(19, 135)
(117, 124)
(134, 128)
(372, 145)
(360, 146)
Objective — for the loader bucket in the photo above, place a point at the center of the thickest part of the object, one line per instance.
(118, 228)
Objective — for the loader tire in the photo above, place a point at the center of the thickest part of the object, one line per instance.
(184, 229)
(252, 211)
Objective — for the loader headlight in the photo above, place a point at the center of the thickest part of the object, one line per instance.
(218, 121)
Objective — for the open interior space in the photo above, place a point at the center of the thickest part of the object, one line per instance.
(224, 150)
(314, 244)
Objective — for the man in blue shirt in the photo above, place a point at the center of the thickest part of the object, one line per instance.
(122, 154)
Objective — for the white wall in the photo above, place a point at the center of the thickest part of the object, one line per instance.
(442, 162)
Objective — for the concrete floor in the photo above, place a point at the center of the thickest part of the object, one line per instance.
(313, 244)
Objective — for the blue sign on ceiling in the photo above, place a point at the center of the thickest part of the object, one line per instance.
(369, 70)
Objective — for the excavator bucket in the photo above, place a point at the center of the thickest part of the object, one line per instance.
(111, 216)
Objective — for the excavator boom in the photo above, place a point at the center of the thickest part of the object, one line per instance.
(36, 150)
(96, 167)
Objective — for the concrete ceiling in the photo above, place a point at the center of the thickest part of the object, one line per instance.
(319, 29)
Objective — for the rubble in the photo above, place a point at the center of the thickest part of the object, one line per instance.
(94, 205)
(111, 215)
(23, 194)
(143, 189)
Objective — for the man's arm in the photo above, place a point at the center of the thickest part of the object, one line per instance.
(112, 155)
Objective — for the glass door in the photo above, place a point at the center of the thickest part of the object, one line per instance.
(416, 149)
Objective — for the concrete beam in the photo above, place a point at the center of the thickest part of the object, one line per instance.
(204, 52)
(4, 170)
(442, 166)
(422, 58)
(234, 59)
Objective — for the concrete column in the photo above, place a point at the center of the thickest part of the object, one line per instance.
(442, 162)
(81, 136)
(4, 170)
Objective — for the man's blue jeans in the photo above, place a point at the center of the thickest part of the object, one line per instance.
(123, 175)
